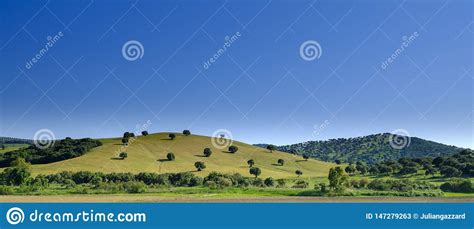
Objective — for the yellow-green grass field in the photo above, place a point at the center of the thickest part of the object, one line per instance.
(12, 147)
(148, 154)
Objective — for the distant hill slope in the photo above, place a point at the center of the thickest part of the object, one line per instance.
(371, 149)
(148, 154)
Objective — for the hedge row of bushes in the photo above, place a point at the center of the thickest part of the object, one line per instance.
(463, 186)
(186, 179)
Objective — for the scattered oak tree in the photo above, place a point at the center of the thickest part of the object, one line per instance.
(170, 156)
(199, 165)
(123, 155)
(271, 148)
(125, 141)
(305, 156)
(298, 173)
(255, 171)
(207, 152)
(186, 132)
(144, 133)
(172, 136)
(233, 149)
(251, 162)
(281, 162)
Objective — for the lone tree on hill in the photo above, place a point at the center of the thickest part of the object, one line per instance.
(305, 156)
(126, 135)
(199, 165)
(233, 149)
(298, 173)
(172, 136)
(255, 171)
(170, 156)
(186, 132)
(123, 155)
(251, 162)
(207, 152)
(281, 162)
(271, 148)
(144, 133)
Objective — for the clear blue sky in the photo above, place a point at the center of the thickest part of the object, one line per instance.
(280, 98)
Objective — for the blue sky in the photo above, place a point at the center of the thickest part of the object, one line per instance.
(259, 88)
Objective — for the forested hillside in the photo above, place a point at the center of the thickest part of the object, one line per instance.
(370, 149)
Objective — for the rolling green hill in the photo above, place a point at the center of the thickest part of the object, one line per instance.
(12, 147)
(371, 149)
(148, 154)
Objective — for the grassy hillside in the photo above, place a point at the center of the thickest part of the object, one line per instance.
(12, 147)
(148, 154)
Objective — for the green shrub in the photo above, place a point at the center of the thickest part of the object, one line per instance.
(181, 179)
(300, 184)
(269, 182)
(6, 190)
(134, 187)
(401, 185)
(281, 183)
(257, 182)
(195, 181)
(152, 178)
(463, 186)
